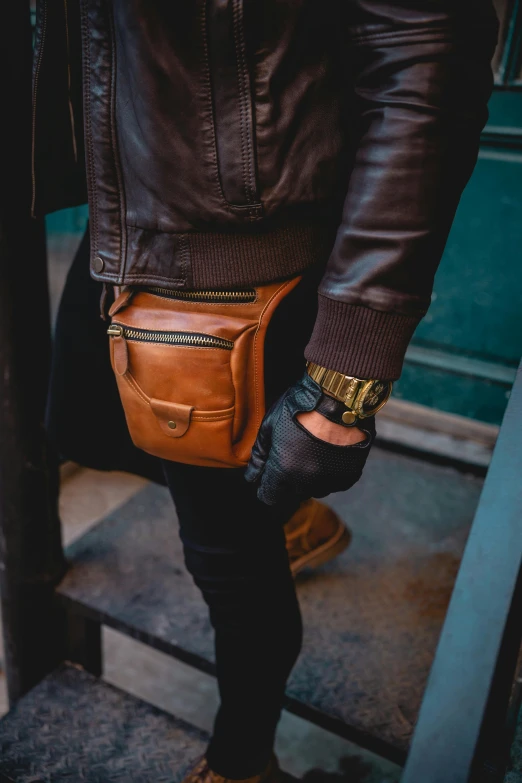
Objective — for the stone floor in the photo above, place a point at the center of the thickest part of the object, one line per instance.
(305, 750)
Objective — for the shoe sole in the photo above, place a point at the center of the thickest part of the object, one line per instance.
(327, 551)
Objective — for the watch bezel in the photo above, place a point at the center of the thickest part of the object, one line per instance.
(358, 404)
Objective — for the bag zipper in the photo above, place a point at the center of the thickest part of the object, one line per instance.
(189, 339)
(212, 297)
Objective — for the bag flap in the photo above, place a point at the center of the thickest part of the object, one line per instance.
(174, 419)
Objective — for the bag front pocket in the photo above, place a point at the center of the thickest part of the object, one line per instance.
(177, 391)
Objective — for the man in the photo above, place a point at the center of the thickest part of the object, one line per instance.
(233, 143)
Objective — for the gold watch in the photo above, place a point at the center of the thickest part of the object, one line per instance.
(362, 398)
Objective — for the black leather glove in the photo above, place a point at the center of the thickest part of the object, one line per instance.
(291, 463)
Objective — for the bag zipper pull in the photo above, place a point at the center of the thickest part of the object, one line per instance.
(120, 350)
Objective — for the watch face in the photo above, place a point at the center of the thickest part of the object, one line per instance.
(373, 396)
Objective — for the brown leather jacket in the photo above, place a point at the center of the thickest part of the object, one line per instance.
(233, 142)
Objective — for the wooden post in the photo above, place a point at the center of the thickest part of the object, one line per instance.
(31, 557)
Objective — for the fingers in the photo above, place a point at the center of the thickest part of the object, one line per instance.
(260, 452)
(273, 488)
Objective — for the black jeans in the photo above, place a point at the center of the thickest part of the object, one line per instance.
(235, 550)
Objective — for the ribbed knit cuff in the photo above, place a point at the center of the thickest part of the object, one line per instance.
(359, 341)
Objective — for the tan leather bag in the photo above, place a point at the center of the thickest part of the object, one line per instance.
(189, 368)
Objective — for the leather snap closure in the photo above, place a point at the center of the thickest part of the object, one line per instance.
(172, 417)
(348, 417)
(98, 264)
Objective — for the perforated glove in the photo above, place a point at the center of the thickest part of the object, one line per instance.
(289, 462)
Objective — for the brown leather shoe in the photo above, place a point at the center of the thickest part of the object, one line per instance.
(202, 773)
(314, 535)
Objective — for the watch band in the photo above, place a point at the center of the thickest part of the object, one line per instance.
(336, 411)
(361, 397)
(342, 387)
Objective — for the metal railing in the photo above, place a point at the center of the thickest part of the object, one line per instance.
(462, 733)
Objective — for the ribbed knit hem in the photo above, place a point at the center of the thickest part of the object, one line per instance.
(210, 259)
(221, 260)
(359, 341)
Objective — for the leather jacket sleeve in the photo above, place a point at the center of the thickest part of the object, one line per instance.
(421, 77)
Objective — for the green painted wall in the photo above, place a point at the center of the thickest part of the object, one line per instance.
(476, 311)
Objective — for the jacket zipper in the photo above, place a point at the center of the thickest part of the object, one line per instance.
(211, 297)
(189, 339)
(35, 86)
(249, 164)
(233, 104)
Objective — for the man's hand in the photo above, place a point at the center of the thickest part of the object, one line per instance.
(327, 430)
(301, 454)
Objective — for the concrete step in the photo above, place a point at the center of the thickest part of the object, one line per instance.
(372, 617)
(74, 727)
